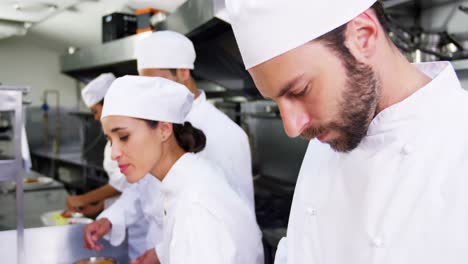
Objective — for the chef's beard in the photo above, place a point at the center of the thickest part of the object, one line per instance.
(356, 110)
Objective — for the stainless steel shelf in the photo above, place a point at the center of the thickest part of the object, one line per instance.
(15, 88)
(424, 4)
(8, 170)
(12, 99)
(394, 3)
(460, 65)
(102, 58)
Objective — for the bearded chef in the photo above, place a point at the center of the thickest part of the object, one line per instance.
(384, 179)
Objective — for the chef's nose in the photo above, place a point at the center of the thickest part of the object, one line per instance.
(294, 118)
(116, 153)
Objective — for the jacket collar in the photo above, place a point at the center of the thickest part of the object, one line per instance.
(424, 100)
(177, 177)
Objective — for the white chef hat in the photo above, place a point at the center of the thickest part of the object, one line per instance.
(150, 98)
(165, 50)
(265, 29)
(95, 91)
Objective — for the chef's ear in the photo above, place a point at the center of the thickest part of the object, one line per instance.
(165, 130)
(362, 36)
(183, 75)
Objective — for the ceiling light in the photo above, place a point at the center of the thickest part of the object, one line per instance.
(34, 7)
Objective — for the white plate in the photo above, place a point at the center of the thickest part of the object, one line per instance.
(82, 220)
(53, 218)
(40, 181)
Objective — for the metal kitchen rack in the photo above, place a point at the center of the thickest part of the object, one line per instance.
(12, 169)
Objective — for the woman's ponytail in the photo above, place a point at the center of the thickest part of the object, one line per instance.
(189, 138)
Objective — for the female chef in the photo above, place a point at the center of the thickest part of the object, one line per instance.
(204, 220)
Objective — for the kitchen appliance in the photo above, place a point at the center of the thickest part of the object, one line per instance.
(118, 25)
(144, 16)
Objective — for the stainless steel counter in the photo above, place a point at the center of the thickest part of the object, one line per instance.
(35, 204)
(55, 245)
(10, 186)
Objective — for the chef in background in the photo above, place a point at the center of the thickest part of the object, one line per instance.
(93, 202)
(172, 56)
(384, 179)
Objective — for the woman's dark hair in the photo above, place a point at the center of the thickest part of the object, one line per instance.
(189, 138)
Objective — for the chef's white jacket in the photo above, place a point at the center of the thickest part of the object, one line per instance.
(137, 231)
(139, 207)
(400, 197)
(227, 145)
(204, 219)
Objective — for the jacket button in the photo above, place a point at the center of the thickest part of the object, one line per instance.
(406, 150)
(377, 242)
(311, 211)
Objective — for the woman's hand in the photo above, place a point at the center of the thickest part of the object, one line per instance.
(95, 231)
(150, 257)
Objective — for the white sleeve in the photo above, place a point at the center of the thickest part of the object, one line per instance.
(122, 213)
(199, 237)
(116, 178)
(281, 256)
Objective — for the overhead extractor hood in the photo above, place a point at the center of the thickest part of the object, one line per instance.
(116, 56)
(203, 21)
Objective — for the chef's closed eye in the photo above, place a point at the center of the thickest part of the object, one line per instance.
(300, 92)
(124, 138)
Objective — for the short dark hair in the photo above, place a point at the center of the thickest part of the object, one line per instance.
(381, 15)
(335, 39)
(174, 71)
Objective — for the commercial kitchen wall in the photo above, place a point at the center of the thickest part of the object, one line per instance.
(23, 62)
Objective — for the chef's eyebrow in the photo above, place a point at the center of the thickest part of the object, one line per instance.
(116, 129)
(290, 85)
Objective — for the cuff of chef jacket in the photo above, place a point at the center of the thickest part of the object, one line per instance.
(158, 249)
(117, 233)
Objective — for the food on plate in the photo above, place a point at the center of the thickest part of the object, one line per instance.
(96, 260)
(66, 214)
(59, 219)
(66, 217)
(31, 180)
